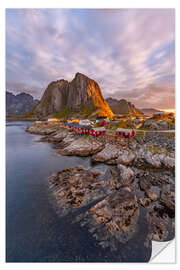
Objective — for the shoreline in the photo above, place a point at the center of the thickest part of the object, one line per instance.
(143, 172)
(20, 119)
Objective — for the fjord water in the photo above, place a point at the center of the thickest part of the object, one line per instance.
(34, 231)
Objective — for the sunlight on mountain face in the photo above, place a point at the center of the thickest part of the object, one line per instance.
(95, 92)
(169, 110)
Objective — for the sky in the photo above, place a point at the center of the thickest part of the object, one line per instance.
(130, 53)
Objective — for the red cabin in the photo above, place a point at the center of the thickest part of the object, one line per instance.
(97, 131)
(127, 133)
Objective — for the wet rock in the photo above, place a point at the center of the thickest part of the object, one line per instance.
(161, 226)
(168, 200)
(114, 219)
(110, 214)
(158, 228)
(76, 187)
(82, 147)
(153, 193)
(145, 202)
(144, 183)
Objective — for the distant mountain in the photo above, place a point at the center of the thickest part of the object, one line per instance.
(122, 106)
(81, 92)
(19, 104)
(149, 110)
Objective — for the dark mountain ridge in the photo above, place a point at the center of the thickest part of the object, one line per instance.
(123, 106)
(19, 104)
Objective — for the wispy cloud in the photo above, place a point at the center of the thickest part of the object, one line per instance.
(122, 49)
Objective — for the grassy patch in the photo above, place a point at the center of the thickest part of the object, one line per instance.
(66, 113)
(86, 110)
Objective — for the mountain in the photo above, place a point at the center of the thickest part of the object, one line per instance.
(122, 106)
(81, 92)
(19, 104)
(149, 111)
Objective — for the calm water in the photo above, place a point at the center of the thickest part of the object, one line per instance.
(34, 232)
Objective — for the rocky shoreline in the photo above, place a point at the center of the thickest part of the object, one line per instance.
(141, 176)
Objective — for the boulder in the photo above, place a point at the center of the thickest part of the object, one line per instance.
(126, 157)
(126, 175)
(70, 138)
(152, 160)
(82, 147)
(153, 193)
(108, 154)
(161, 226)
(145, 202)
(169, 162)
(58, 136)
(168, 199)
(41, 129)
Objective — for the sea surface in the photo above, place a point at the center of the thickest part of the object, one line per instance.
(34, 231)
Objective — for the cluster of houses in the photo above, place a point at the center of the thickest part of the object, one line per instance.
(86, 126)
(84, 129)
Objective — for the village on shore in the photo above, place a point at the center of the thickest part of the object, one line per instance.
(141, 159)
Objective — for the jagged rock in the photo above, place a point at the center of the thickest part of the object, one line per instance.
(82, 147)
(126, 175)
(108, 154)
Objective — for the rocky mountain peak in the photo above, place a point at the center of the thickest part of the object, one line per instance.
(81, 91)
(123, 106)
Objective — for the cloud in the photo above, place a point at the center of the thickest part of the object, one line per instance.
(122, 49)
(161, 96)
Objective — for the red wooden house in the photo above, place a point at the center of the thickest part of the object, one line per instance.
(127, 133)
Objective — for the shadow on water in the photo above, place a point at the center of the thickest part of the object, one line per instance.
(34, 232)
